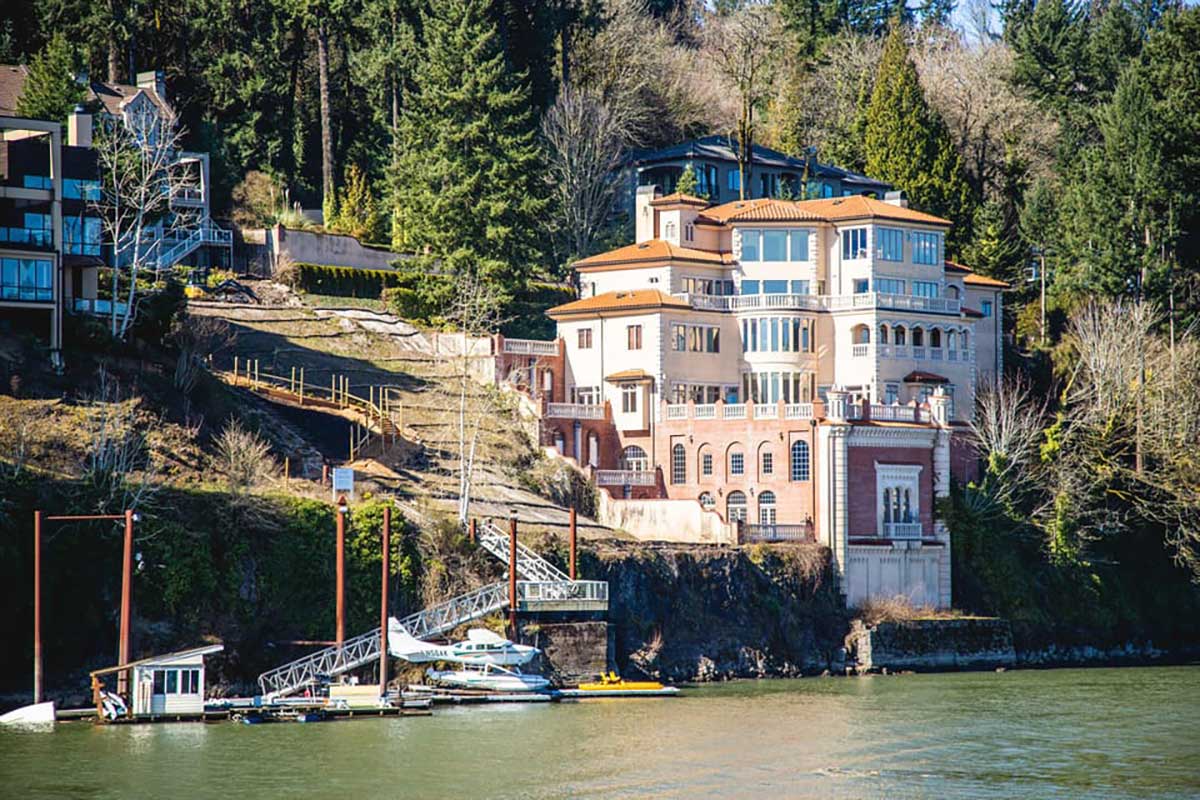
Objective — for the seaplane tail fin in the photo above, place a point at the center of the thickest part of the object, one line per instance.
(401, 644)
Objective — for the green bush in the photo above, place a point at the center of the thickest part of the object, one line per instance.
(347, 281)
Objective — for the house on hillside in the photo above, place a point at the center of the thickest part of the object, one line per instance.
(714, 160)
(774, 370)
(51, 239)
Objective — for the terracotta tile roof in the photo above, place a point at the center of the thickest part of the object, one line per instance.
(679, 198)
(12, 81)
(971, 278)
(630, 375)
(623, 302)
(916, 376)
(834, 209)
(651, 251)
(970, 312)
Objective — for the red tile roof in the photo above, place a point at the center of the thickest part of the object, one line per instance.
(971, 278)
(652, 251)
(835, 209)
(622, 302)
(679, 199)
(916, 376)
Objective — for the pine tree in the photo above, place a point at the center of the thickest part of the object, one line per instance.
(906, 142)
(357, 211)
(995, 248)
(688, 183)
(51, 92)
(466, 184)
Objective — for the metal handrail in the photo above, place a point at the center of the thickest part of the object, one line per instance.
(530, 565)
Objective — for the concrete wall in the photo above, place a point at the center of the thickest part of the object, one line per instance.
(934, 644)
(327, 249)
(664, 520)
(908, 569)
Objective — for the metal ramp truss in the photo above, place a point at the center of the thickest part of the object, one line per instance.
(530, 566)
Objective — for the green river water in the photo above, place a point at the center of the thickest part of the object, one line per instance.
(1104, 733)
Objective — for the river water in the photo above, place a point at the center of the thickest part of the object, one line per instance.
(1111, 733)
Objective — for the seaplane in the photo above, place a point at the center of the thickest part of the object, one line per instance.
(485, 656)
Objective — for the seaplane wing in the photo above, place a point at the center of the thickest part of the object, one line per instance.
(482, 647)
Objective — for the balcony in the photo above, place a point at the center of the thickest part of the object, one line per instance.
(821, 302)
(860, 351)
(739, 411)
(83, 305)
(778, 533)
(798, 411)
(625, 477)
(574, 411)
(902, 530)
(893, 413)
(530, 347)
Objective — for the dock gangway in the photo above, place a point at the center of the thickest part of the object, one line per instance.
(530, 566)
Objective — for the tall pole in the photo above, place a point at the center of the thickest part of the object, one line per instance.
(572, 538)
(512, 573)
(126, 581)
(383, 601)
(37, 606)
(341, 573)
(1042, 275)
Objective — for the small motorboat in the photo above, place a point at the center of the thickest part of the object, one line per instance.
(36, 714)
(610, 685)
(489, 677)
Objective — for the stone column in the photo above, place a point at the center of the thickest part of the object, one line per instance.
(939, 405)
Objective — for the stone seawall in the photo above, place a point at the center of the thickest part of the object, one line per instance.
(699, 613)
(932, 645)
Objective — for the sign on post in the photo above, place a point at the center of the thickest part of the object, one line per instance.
(343, 482)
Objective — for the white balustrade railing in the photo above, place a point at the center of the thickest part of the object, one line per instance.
(625, 477)
(860, 350)
(574, 411)
(818, 302)
(889, 413)
(902, 530)
(798, 411)
(918, 353)
(706, 411)
(766, 411)
(677, 411)
(952, 355)
(854, 411)
(530, 347)
(935, 354)
(734, 411)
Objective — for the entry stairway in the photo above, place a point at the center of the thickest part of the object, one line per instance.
(543, 587)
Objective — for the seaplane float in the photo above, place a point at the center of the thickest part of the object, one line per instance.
(489, 661)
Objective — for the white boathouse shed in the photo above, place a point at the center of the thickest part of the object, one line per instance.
(172, 683)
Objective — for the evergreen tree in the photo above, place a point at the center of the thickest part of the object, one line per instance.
(995, 247)
(1049, 47)
(688, 183)
(51, 92)
(906, 142)
(357, 211)
(811, 22)
(466, 185)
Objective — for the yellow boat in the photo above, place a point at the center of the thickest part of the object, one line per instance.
(612, 683)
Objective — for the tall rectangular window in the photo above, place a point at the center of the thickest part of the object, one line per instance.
(751, 246)
(799, 245)
(854, 243)
(737, 464)
(926, 247)
(749, 287)
(774, 245)
(629, 400)
(585, 338)
(706, 465)
(768, 462)
(986, 308)
(774, 334)
(633, 335)
(924, 289)
(734, 180)
(890, 244)
(889, 285)
(678, 464)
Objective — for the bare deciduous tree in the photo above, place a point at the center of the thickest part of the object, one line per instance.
(740, 48)
(584, 137)
(197, 338)
(118, 461)
(1006, 430)
(243, 458)
(135, 156)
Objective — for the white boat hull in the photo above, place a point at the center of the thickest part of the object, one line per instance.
(490, 680)
(36, 714)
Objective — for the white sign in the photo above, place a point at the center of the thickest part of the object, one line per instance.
(343, 481)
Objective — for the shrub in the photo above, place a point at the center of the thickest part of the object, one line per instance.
(242, 457)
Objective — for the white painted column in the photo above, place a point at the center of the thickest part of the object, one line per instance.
(939, 405)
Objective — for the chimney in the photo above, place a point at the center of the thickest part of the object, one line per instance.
(896, 199)
(155, 81)
(79, 128)
(646, 219)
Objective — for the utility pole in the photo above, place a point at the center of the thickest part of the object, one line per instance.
(572, 543)
(1042, 275)
(37, 606)
(126, 580)
(383, 600)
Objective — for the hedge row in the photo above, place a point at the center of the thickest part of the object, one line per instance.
(347, 281)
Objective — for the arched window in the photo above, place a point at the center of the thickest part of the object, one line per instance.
(952, 340)
(735, 506)
(706, 463)
(887, 505)
(952, 292)
(707, 501)
(766, 508)
(918, 337)
(898, 334)
(965, 340)
(883, 334)
(861, 334)
(633, 458)
(737, 463)
(800, 460)
(560, 443)
(766, 462)
(669, 231)
(935, 337)
(678, 464)
(593, 451)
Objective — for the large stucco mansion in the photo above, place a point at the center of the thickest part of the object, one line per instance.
(769, 370)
